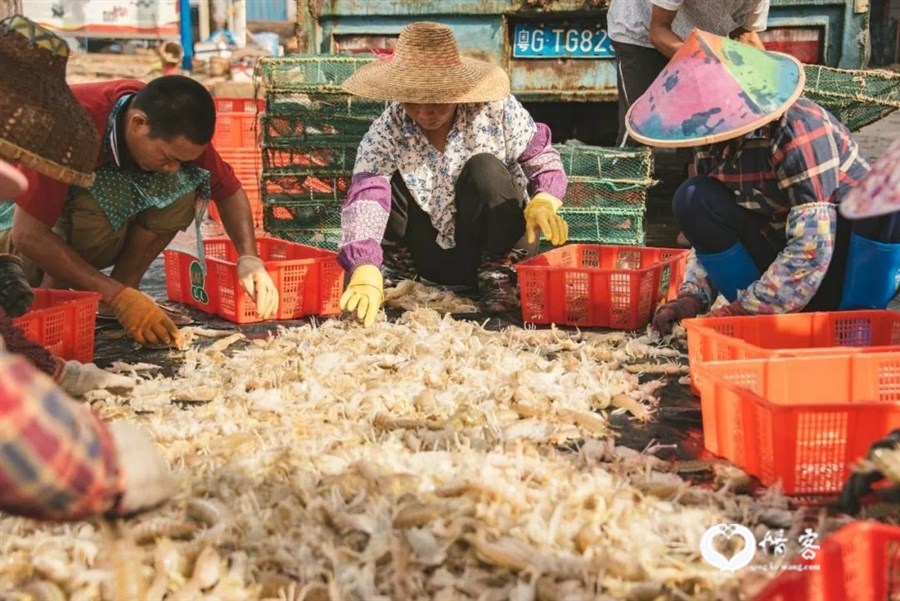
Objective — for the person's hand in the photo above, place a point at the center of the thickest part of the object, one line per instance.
(148, 481)
(77, 378)
(733, 309)
(540, 214)
(257, 282)
(15, 293)
(683, 307)
(364, 293)
(143, 320)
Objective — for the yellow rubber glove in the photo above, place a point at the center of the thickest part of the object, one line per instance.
(258, 284)
(540, 214)
(143, 320)
(364, 293)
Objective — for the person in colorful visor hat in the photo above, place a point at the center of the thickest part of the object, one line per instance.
(762, 214)
(455, 171)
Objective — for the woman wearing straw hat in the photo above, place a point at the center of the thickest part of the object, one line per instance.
(57, 459)
(153, 163)
(455, 169)
(762, 215)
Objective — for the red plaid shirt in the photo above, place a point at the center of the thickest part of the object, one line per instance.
(57, 458)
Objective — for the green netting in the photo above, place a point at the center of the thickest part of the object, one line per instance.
(856, 98)
(289, 130)
(312, 158)
(302, 215)
(327, 239)
(604, 225)
(589, 192)
(299, 187)
(308, 72)
(632, 166)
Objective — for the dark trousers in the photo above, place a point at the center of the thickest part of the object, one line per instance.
(489, 221)
(711, 220)
(636, 67)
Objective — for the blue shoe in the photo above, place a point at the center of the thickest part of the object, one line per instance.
(731, 270)
(873, 274)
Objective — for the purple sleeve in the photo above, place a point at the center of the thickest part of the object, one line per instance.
(542, 165)
(364, 217)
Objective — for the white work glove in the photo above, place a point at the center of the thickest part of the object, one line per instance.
(148, 481)
(257, 282)
(78, 378)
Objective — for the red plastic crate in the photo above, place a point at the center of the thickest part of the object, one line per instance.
(859, 562)
(802, 420)
(603, 286)
(792, 334)
(309, 280)
(63, 321)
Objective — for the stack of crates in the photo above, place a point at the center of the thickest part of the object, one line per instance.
(236, 139)
(311, 130)
(606, 198)
(310, 133)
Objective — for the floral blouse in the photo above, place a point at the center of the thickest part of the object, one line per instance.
(394, 143)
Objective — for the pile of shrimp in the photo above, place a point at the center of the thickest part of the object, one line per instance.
(426, 458)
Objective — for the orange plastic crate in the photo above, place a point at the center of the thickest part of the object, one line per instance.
(859, 562)
(236, 130)
(256, 208)
(63, 321)
(309, 280)
(592, 285)
(793, 334)
(802, 420)
(247, 164)
(239, 105)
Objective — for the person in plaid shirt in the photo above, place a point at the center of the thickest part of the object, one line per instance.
(58, 460)
(762, 217)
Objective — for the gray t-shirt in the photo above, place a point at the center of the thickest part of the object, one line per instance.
(629, 20)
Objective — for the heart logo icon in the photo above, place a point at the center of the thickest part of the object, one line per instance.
(716, 559)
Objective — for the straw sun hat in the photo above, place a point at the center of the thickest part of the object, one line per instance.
(426, 68)
(42, 125)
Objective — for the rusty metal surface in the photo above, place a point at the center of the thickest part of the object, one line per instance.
(418, 8)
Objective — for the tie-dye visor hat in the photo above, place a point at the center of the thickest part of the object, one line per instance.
(714, 89)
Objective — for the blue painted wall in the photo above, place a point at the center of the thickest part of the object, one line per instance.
(267, 10)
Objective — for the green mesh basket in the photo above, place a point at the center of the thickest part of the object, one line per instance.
(308, 72)
(327, 239)
(588, 192)
(301, 215)
(291, 188)
(856, 98)
(313, 158)
(603, 225)
(632, 166)
(339, 118)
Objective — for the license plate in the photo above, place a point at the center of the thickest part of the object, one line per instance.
(538, 40)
